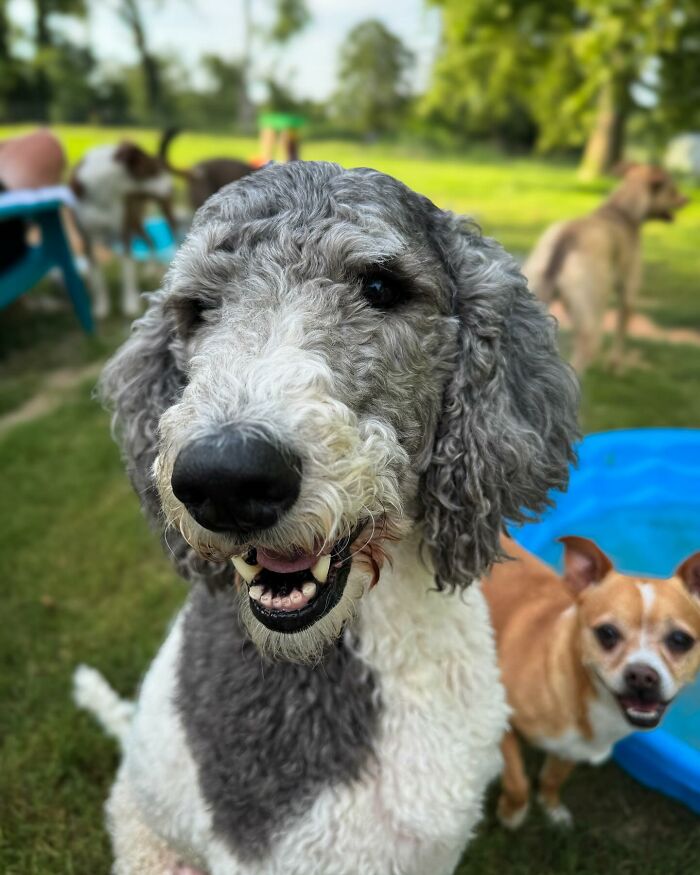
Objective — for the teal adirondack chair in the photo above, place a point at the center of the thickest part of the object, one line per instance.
(42, 207)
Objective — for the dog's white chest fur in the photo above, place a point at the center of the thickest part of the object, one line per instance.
(443, 714)
(608, 727)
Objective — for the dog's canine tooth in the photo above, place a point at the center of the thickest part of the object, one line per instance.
(320, 569)
(309, 589)
(255, 592)
(247, 572)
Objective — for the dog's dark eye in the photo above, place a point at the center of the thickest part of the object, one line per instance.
(382, 291)
(608, 635)
(679, 642)
(193, 312)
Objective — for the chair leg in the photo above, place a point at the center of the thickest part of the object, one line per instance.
(54, 240)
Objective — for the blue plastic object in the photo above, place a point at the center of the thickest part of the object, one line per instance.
(164, 244)
(52, 251)
(637, 494)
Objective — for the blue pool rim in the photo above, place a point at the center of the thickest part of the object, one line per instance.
(669, 459)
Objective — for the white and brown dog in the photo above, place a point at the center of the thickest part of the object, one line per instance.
(585, 660)
(112, 185)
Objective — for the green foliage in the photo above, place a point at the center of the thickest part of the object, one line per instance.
(291, 17)
(373, 93)
(70, 71)
(553, 58)
(678, 84)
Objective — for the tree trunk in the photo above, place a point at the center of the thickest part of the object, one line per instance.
(606, 142)
(149, 65)
(4, 33)
(42, 86)
(245, 106)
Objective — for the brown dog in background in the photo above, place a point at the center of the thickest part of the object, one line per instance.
(584, 260)
(585, 660)
(205, 177)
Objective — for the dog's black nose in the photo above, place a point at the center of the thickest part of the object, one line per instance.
(642, 679)
(234, 481)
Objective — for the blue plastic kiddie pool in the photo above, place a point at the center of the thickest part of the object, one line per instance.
(637, 494)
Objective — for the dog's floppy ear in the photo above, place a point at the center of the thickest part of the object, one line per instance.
(509, 411)
(138, 384)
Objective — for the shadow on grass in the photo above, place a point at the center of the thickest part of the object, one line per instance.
(619, 827)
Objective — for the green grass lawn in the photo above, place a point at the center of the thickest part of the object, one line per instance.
(85, 581)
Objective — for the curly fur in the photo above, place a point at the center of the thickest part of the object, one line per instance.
(508, 415)
(455, 410)
(367, 745)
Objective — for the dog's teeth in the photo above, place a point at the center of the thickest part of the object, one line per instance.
(296, 597)
(286, 602)
(266, 599)
(320, 569)
(255, 592)
(309, 589)
(277, 602)
(247, 572)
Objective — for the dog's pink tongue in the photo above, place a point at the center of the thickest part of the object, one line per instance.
(285, 564)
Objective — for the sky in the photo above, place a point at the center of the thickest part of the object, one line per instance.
(186, 29)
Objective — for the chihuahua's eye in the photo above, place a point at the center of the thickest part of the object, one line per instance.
(679, 642)
(608, 635)
(382, 292)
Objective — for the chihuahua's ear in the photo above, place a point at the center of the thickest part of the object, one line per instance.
(584, 562)
(689, 573)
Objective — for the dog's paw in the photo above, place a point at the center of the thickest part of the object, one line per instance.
(559, 816)
(511, 818)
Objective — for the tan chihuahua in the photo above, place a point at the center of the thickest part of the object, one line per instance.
(585, 660)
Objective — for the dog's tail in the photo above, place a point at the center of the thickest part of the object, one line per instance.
(545, 264)
(166, 139)
(92, 693)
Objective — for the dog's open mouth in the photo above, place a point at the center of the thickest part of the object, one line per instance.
(290, 593)
(642, 713)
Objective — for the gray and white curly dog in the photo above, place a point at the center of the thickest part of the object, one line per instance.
(330, 409)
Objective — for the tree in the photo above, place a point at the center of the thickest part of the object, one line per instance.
(291, 17)
(73, 94)
(222, 100)
(374, 92)
(573, 64)
(45, 42)
(130, 13)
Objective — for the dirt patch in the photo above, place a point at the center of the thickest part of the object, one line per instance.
(50, 395)
(639, 326)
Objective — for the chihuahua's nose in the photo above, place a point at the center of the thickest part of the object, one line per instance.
(642, 679)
